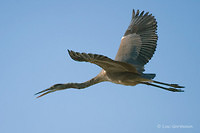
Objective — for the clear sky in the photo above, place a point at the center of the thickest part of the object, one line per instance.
(34, 37)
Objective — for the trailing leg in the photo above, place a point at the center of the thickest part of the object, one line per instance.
(171, 85)
(169, 89)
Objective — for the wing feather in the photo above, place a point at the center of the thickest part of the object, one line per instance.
(104, 62)
(139, 41)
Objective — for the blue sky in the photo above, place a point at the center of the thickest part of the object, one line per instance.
(34, 37)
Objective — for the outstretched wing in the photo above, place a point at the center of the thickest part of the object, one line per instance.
(139, 41)
(104, 62)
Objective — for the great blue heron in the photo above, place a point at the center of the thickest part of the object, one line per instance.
(136, 49)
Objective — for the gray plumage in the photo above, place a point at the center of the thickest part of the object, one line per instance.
(136, 49)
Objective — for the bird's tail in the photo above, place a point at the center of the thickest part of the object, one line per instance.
(149, 75)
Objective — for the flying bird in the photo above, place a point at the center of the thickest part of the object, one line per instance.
(136, 49)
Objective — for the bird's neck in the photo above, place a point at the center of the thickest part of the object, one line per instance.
(90, 82)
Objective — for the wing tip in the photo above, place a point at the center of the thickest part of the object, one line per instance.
(140, 13)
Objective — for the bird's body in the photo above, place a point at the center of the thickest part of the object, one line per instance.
(124, 78)
(136, 49)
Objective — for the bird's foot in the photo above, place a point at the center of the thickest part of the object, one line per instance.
(176, 86)
(175, 90)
